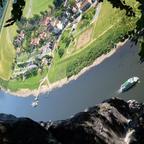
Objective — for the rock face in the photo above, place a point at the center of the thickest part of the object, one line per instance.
(112, 122)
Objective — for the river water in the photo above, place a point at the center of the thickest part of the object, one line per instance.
(96, 85)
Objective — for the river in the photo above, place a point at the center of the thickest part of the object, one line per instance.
(96, 85)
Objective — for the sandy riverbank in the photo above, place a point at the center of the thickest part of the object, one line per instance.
(60, 83)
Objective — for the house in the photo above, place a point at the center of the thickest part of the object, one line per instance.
(74, 9)
(46, 21)
(45, 49)
(58, 26)
(19, 39)
(35, 41)
(31, 67)
(78, 4)
(85, 5)
(21, 35)
(64, 21)
(43, 35)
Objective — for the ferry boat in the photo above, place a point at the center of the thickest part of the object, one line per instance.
(129, 84)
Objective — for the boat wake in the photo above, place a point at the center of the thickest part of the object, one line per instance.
(119, 91)
(116, 93)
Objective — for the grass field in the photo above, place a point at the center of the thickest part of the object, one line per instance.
(36, 6)
(31, 83)
(7, 52)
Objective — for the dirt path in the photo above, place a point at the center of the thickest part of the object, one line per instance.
(44, 81)
(29, 13)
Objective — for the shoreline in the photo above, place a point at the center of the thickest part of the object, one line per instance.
(58, 84)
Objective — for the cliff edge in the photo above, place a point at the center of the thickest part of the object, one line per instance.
(114, 121)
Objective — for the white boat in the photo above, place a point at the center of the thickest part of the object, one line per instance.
(36, 98)
(35, 103)
(129, 84)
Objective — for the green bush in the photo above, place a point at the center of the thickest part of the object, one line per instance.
(61, 52)
(87, 18)
(89, 15)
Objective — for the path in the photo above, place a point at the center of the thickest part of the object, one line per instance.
(45, 79)
(98, 8)
(29, 13)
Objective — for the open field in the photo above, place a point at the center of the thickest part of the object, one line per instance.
(36, 6)
(31, 83)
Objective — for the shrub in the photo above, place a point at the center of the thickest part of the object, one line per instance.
(61, 52)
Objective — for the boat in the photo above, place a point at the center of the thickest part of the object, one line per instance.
(35, 103)
(129, 84)
(36, 98)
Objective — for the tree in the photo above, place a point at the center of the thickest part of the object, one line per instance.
(72, 2)
(58, 3)
(16, 13)
(61, 52)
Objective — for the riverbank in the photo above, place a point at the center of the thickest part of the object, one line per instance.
(60, 83)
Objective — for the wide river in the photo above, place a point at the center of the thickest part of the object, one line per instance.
(96, 85)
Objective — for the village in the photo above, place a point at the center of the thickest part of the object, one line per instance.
(38, 37)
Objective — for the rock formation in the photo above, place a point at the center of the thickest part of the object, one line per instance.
(112, 122)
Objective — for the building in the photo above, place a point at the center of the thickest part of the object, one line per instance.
(46, 21)
(85, 5)
(35, 41)
(21, 35)
(43, 35)
(58, 26)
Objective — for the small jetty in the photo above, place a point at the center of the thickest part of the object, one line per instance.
(36, 99)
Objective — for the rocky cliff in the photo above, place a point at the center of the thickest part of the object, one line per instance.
(112, 122)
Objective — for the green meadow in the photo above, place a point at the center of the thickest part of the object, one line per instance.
(36, 6)
(7, 52)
